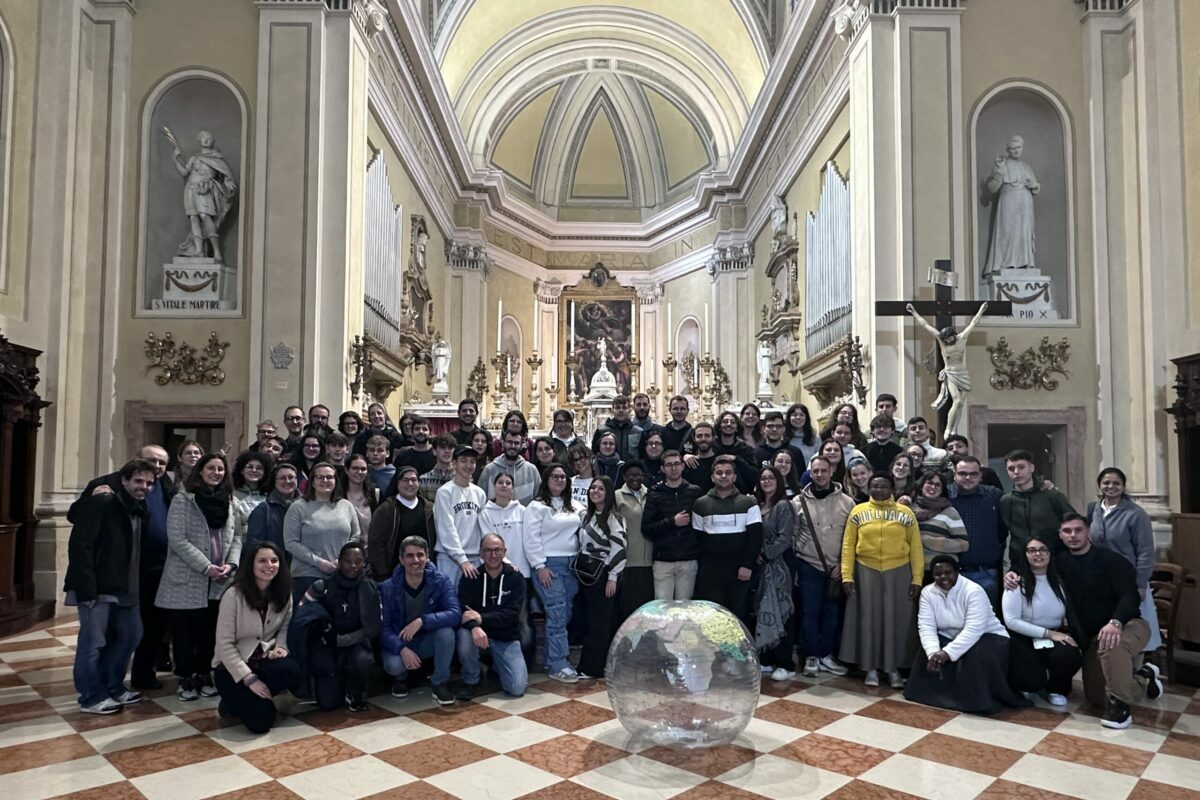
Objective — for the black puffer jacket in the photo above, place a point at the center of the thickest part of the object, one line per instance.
(671, 542)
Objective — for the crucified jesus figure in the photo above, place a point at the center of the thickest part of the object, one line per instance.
(954, 378)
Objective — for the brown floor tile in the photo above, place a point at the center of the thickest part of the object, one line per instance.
(1182, 745)
(848, 684)
(914, 716)
(712, 790)
(565, 791)
(1033, 717)
(709, 762)
(51, 662)
(419, 790)
(1006, 790)
(570, 716)
(25, 710)
(1150, 790)
(1143, 716)
(144, 760)
(56, 689)
(458, 716)
(1193, 708)
(833, 754)
(965, 753)
(1102, 755)
(571, 690)
(31, 644)
(123, 790)
(328, 721)
(206, 720)
(300, 755)
(797, 715)
(568, 756)
(434, 756)
(63, 630)
(10, 680)
(861, 790)
(260, 791)
(91, 722)
(780, 688)
(46, 751)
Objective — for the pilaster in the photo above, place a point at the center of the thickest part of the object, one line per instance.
(466, 315)
(732, 302)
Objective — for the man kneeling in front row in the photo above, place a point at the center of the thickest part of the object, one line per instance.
(491, 620)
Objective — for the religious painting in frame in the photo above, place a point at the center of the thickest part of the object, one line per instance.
(598, 307)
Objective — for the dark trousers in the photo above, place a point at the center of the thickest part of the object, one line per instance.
(781, 654)
(337, 671)
(598, 634)
(155, 624)
(819, 614)
(637, 589)
(1050, 668)
(718, 583)
(257, 713)
(193, 638)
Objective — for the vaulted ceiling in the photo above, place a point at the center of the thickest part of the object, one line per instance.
(604, 111)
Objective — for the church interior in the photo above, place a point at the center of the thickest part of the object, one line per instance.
(212, 212)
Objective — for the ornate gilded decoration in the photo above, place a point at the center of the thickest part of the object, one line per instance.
(1032, 369)
(851, 363)
(364, 366)
(477, 381)
(179, 362)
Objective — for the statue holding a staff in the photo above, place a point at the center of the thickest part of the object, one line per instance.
(208, 193)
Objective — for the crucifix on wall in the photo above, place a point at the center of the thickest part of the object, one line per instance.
(951, 356)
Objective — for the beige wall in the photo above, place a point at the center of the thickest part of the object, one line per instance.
(19, 19)
(1189, 39)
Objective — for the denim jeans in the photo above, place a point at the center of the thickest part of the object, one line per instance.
(437, 643)
(988, 578)
(108, 635)
(450, 568)
(820, 615)
(507, 660)
(674, 580)
(557, 600)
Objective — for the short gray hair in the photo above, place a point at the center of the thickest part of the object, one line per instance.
(414, 541)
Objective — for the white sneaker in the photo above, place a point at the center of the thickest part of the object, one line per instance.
(766, 669)
(128, 698)
(565, 675)
(1057, 699)
(781, 674)
(832, 666)
(894, 680)
(812, 665)
(872, 678)
(105, 706)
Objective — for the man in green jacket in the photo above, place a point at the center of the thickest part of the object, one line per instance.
(1030, 508)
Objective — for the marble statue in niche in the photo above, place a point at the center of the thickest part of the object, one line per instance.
(1012, 186)
(208, 193)
(419, 295)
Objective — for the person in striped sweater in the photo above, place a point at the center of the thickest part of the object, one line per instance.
(729, 527)
(602, 536)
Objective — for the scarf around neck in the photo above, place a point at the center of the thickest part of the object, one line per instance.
(214, 505)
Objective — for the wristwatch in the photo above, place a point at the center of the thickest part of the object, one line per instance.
(1116, 623)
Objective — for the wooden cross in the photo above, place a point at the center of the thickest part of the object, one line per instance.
(943, 308)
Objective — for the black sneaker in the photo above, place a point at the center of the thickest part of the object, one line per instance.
(467, 691)
(1116, 714)
(355, 703)
(442, 695)
(400, 688)
(147, 685)
(204, 684)
(187, 690)
(1154, 686)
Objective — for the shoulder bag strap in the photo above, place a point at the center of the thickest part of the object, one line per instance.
(813, 528)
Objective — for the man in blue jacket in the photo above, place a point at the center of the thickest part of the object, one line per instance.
(420, 612)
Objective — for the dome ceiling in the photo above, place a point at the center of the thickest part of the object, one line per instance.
(604, 111)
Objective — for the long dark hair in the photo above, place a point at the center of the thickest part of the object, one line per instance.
(807, 434)
(1029, 580)
(369, 488)
(910, 481)
(279, 591)
(239, 481)
(610, 500)
(298, 458)
(856, 438)
(739, 428)
(345, 415)
(195, 480)
(543, 492)
(757, 430)
(780, 493)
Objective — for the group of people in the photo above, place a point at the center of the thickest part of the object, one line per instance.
(325, 552)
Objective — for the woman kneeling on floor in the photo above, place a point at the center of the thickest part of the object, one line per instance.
(251, 667)
(966, 648)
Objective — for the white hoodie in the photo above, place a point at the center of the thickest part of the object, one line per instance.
(507, 522)
(456, 520)
(550, 531)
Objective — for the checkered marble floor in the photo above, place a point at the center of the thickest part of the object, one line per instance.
(831, 738)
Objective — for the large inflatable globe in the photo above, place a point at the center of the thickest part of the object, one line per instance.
(683, 673)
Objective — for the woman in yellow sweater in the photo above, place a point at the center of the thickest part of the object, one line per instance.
(882, 565)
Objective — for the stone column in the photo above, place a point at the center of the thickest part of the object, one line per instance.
(310, 158)
(466, 318)
(731, 298)
(552, 378)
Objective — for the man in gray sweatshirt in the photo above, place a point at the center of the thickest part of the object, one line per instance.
(526, 478)
(456, 518)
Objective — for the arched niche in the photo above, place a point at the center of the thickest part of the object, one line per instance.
(687, 353)
(6, 123)
(511, 343)
(1028, 110)
(186, 103)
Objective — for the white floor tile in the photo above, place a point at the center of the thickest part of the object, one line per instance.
(1189, 724)
(598, 699)
(1065, 777)
(784, 779)
(17, 694)
(416, 701)
(1134, 736)
(992, 731)
(38, 677)
(384, 734)
(927, 778)
(613, 733)
(766, 737)
(510, 733)
(833, 699)
(498, 778)
(532, 700)
(52, 650)
(873, 732)
(136, 734)
(61, 778)
(172, 703)
(197, 781)
(639, 778)
(356, 777)
(33, 730)
(237, 739)
(1174, 770)
(30, 637)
